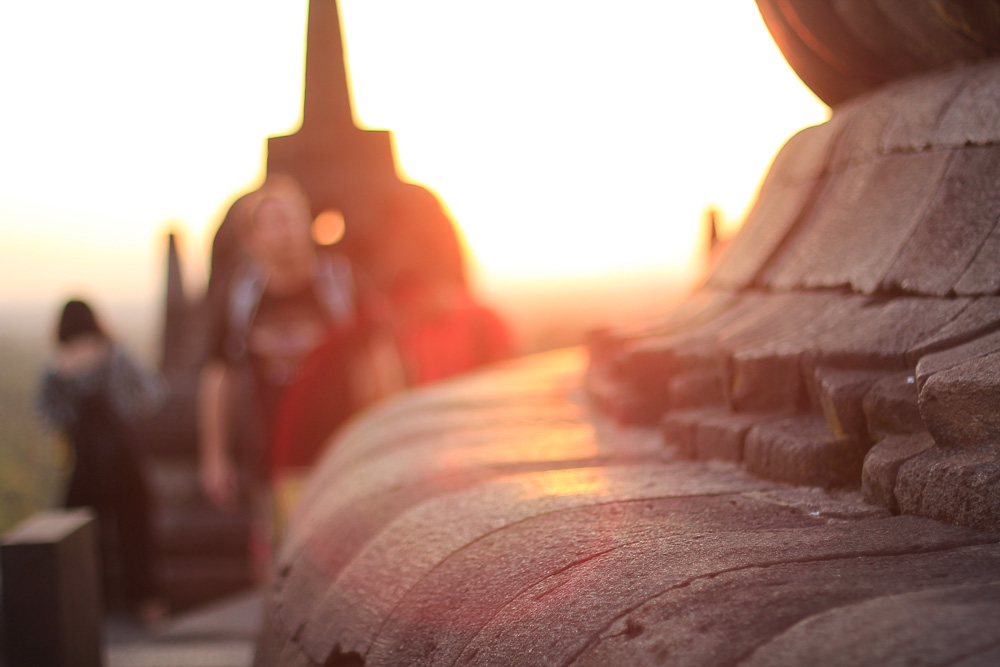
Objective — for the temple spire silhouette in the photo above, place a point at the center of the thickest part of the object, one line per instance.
(339, 165)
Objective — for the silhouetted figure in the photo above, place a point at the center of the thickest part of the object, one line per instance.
(91, 393)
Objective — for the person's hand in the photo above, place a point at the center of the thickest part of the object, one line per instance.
(218, 481)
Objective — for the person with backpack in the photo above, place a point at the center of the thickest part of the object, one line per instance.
(92, 393)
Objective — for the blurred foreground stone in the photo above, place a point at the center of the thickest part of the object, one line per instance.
(52, 607)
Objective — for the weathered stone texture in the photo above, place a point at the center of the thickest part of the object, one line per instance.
(721, 436)
(918, 105)
(956, 487)
(882, 464)
(890, 406)
(979, 318)
(861, 221)
(764, 372)
(982, 276)
(959, 218)
(851, 303)
(882, 332)
(956, 356)
(539, 531)
(974, 117)
(883, 629)
(961, 405)
(839, 395)
(765, 379)
(801, 450)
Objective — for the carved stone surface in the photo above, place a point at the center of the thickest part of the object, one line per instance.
(801, 450)
(961, 405)
(495, 520)
(867, 272)
(961, 488)
(882, 464)
(861, 220)
(982, 277)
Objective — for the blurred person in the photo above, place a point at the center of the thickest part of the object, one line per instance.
(441, 328)
(443, 331)
(289, 322)
(90, 393)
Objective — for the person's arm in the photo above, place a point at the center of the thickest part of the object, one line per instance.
(217, 472)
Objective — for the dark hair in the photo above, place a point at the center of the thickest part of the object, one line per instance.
(78, 320)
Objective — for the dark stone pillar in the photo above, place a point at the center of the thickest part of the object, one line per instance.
(51, 591)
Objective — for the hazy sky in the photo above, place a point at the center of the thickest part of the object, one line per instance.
(568, 137)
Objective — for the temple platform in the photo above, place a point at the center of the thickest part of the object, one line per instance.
(498, 519)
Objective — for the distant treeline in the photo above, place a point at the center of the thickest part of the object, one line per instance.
(31, 461)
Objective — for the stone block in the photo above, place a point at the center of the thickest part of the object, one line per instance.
(982, 276)
(961, 405)
(860, 222)
(882, 464)
(959, 218)
(880, 334)
(924, 624)
(839, 395)
(621, 401)
(890, 406)
(697, 388)
(680, 429)
(980, 317)
(957, 487)
(721, 435)
(864, 123)
(765, 379)
(647, 364)
(923, 101)
(974, 117)
(764, 367)
(52, 606)
(780, 315)
(936, 362)
(801, 450)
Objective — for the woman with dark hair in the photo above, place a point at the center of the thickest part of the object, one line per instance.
(90, 393)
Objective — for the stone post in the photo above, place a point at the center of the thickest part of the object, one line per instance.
(51, 591)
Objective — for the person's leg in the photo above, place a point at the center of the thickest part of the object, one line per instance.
(133, 514)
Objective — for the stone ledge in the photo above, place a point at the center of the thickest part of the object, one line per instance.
(574, 540)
